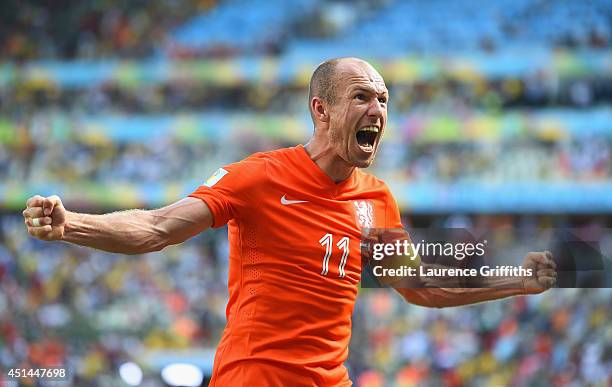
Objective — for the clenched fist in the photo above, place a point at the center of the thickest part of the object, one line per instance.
(544, 271)
(45, 218)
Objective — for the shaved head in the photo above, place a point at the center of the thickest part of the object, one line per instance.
(323, 82)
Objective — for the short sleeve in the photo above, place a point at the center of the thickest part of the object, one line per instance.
(231, 191)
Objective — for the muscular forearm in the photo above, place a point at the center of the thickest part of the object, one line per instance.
(139, 231)
(446, 297)
(127, 232)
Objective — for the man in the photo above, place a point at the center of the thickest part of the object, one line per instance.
(295, 218)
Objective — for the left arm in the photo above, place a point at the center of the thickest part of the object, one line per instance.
(541, 263)
(544, 277)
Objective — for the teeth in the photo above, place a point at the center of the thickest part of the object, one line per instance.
(369, 129)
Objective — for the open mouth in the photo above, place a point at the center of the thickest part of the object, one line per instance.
(366, 138)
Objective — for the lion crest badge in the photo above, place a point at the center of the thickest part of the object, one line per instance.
(364, 213)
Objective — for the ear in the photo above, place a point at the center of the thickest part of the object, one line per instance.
(319, 109)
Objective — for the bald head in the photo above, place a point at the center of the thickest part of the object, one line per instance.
(324, 80)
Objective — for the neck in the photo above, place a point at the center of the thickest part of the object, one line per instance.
(322, 154)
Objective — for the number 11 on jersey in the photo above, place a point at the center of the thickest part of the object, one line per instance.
(327, 241)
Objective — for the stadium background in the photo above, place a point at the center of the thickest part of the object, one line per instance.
(499, 117)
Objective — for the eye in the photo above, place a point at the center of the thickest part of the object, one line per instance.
(361, 97)
(382, 100)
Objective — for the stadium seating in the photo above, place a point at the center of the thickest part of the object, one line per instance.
(499, 114)
(462, 26)
(241, 26)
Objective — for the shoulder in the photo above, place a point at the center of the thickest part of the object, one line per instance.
(256, 161)
(375, 188)
(278, 155)
(369, 182)
(279, 158)
(257, 166)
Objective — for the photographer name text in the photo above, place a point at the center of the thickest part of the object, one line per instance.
(484, 271)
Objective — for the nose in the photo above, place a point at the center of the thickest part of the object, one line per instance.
(377, 109)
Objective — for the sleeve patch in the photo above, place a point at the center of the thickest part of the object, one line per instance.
(214, 179)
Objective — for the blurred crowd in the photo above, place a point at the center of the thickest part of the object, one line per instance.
(168, 160)
(462, 25)
(41, 141)
(583, 160)
(42, 118)
(93, 311)
(67, 29)
(447, 93)
(475, 114)
(559, 338)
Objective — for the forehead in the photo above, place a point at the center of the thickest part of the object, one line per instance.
(358, 75)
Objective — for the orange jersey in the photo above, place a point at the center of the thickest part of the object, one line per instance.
(294, 268)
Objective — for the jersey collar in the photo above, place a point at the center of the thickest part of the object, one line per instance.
(321, 177)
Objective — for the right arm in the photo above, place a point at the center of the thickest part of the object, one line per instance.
(126, 232)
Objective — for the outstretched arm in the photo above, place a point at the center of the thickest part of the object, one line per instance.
(544, 277)
(127, 232)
